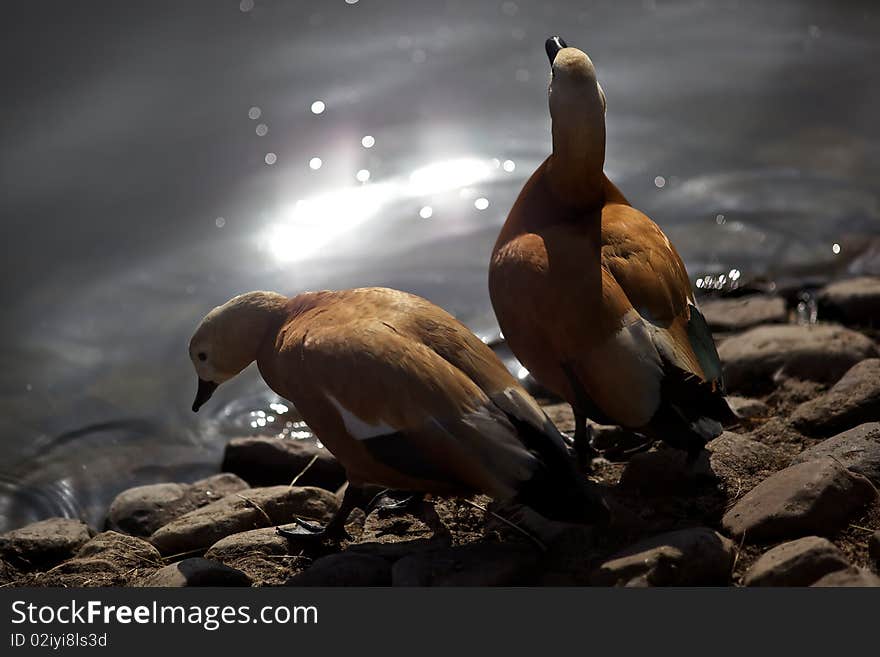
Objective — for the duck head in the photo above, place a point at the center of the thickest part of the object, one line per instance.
(577, 107)
(228, 339)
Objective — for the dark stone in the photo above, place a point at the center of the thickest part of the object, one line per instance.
(744, 312)
(475, 564)
(796, 563)
(267, 461)
(345, 569)
(874, 548)
(43, 544)
(196, 572)
(853, 301)
(817, 497)
(857, 449)
(238, 512)
(822, 352)
(142, 510)
(687, 557)
(852, 400)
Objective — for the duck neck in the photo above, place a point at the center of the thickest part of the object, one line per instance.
(575, 167)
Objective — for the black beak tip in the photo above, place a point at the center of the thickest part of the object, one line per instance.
(553, 45)
(206, 389)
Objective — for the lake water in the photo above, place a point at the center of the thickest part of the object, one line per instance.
(157, 159)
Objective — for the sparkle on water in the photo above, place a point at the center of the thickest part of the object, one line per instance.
(254, 113)
(315, 163)
(271, 158)
(262, 130)
(219, 222)
(368, 141)
(426, 212)
(363, 175)
(481, 203)
(659, 182)
(318, 107)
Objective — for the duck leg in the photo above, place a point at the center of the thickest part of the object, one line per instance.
(583, 443)
(334, 530)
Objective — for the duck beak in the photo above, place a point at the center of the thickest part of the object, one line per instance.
(553, 45)
(206, 389)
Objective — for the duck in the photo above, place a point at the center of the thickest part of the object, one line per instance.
(590, 294)
(404, 395)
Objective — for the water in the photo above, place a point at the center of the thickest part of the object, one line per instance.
(157, 159)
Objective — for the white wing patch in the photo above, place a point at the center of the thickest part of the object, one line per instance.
(356, 427)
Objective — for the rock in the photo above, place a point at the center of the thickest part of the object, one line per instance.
(665, 469)
(744, 312)
(267, 461)
(851, 577)
(796, 563)
(264, 556)
(729, 457)
(746, 407)
(609, 439)
(108, 559)
(874, 548)
(857, 449)
(196, 572)
(822, 352)
(817, 497)
(238, 512)
(8, 574)
(142, 510)
(43, 544)
(854, 399)
(345, 569)
(852, 301)
(687, 557)
(475, 564)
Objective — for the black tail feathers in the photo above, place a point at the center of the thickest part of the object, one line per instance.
(557, 490)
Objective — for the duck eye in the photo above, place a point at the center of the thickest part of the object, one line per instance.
(203, 356)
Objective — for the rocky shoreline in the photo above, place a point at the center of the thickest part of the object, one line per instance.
(788, 497)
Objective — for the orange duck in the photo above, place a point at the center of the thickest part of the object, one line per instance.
(592, 297)
(403, 394)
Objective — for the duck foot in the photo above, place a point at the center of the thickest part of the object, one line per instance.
(334, 530)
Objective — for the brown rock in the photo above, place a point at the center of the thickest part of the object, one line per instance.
(261, 554)
(852, 301)
(688, 557)
(665, 469)
(796, 563)
(267, 461)
(108, 559)
(852, 400)
(851, 577)
(238, 512)
(744, 312)
(43, 544)
(142, 510)
(857, 449)
(196, 572)
(822, 352)
(475, 564)
(345, 569)
(816, 497)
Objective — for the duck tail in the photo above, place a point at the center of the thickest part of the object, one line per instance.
(556, 489)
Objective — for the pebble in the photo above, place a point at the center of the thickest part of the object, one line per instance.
(852, 301)
(697, 556)
(854, 399)
(238, 512)
(796, 563)
(822, 352)
(267, 461)
(744, 312)
(43, 544)
(816, 497)
(142, 510)
(874, 548)
(196, 572)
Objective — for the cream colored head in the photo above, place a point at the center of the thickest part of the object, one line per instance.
(228, 339)
(577, 106)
